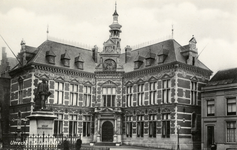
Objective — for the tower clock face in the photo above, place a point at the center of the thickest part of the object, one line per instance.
(109, 65)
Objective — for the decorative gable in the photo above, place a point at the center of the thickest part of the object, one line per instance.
(140, 81)
(65, 59)
(194, 79)
(129, 83)
(152, 79)
(109, 83)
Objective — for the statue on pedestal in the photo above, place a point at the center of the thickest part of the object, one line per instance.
(41, 95)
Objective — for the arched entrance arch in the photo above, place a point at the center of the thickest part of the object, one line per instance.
(107, 131)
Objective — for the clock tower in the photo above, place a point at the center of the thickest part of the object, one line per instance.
(109, 78)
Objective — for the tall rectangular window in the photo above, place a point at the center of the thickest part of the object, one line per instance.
(152, 125)
(59, 88)
(231, 106)
(129, 126)
(231, 131)
(140, 126)
(87, 126)
(58, 124)
(166, 125)
(194, 93)
(87, 96)
(166, 91)
(210, 107)
(140, 94)
(129, 96)
(73, 94)
(153, 93)
(73, 125)
(109, 94)
(20, 92)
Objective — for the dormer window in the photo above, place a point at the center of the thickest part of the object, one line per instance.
(50, 56)
(150, 57)
(79, 62)
(162, 55)
(137, 64)
(138, 61)
(65, 59)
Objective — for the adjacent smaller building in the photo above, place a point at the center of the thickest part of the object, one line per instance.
(219, 119)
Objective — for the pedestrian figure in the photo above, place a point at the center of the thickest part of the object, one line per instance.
(78, 144)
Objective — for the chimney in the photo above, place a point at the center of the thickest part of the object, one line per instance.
(23, 53)
(95, 53)
(128, 50)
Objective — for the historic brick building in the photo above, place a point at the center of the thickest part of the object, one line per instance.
(219, 111)
(139, 97)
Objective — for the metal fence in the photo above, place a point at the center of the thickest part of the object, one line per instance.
(43, 142)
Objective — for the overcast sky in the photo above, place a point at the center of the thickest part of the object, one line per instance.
(212, 22)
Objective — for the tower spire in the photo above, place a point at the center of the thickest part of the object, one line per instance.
(47, 31)
(172, 31)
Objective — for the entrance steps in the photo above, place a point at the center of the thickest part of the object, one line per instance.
(105, 144)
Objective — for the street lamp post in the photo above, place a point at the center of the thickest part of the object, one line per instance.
(178, 128)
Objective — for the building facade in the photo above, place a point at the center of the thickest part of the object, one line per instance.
(219, 111)
(7, 63)
(142, 97)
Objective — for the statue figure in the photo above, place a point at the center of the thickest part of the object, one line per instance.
(41, 95)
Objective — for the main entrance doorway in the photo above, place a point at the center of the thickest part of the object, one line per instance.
(107, 132)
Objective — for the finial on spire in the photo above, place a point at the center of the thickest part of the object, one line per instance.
(47, 31)
(115, 5)
(172, 31)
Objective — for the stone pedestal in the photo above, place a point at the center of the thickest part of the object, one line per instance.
(42, 122)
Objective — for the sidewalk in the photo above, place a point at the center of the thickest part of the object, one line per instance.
(127, 147)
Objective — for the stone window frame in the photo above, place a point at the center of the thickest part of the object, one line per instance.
(59, 124)
(87, 122)
(153, 92)
(129, 125)
(140, 94)
(194, 92)
(59, 90)
(140, 125)
(20, 89)
(72, 100)
(229, 129)
(129, 96)
(228, 113)
(152, 125)
(73, 124)
(166, 127)
(112, 94)
(166, 91)
(87, 95)
(210, 105)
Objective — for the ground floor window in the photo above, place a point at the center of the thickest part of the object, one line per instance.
(73, 125)
(129, 126)
(152, 125)
(166, 125)
(231, 128)
(140, 126)
(58, 125)
(87, 126)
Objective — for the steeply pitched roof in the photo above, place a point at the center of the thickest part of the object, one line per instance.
(58, 49)
(222, 77)
(172, 48)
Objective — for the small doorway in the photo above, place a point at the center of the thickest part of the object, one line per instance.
(210, 136)
(107, 132)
